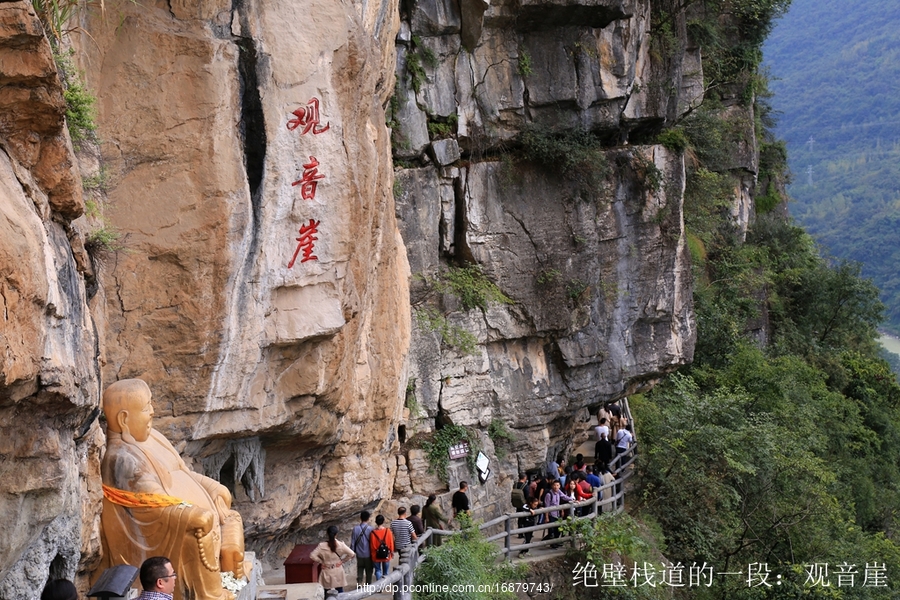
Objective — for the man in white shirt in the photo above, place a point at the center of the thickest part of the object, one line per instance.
(623, 443)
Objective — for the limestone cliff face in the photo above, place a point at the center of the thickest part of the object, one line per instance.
(49, 380)
(229, 130)
(275, 261)
(263, 292)
(593, 259)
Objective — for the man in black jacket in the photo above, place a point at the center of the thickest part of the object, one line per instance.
(460, 501)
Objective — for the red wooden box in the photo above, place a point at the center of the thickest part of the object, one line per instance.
(298, 568)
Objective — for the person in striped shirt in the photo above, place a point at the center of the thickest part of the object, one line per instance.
(403, 530)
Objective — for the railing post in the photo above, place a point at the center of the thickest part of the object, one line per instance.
(508, 537)
(413, 565)
(403, 586)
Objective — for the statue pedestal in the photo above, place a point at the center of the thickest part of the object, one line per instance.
(254, 578)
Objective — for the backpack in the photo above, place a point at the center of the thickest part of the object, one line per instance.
(517, 497)
(382, 552)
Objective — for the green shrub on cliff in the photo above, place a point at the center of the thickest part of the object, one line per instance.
(574, 153)
(103, 238)
(418, 56)
(674, 139)
(524, 67)
(731, 33)
(466, 560)
(56, 16)
(471, 286)
(437, 450)
(501, 436)
(458, 338)
(81, 112)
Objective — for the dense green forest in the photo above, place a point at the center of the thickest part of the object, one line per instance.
(834, 68)
(776, 454)
(785, 455)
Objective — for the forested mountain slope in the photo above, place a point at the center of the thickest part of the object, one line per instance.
(834, 68)
(774, 454)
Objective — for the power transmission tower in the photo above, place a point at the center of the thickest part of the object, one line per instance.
(809, 175)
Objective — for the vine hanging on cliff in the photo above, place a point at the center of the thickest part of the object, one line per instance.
(437, 451)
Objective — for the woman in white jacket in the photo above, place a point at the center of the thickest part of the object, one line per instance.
(332, 555)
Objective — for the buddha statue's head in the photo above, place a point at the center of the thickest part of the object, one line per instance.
(128, 411)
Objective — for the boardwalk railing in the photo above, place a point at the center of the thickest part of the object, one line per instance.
(609, 498)
(400, 579)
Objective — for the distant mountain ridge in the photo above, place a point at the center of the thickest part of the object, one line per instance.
(835, 69)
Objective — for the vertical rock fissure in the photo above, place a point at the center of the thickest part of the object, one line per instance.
(463, 252)
(252, 135)
(252, 126)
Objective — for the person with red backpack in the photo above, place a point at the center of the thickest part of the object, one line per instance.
(381, 545)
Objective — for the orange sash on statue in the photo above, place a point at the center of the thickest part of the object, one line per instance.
(140, 499)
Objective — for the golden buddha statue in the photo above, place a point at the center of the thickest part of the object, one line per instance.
(153, 505)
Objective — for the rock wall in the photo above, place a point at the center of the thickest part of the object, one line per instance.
(592, 258)
(228, 131)
(49, 375)
(263, 291)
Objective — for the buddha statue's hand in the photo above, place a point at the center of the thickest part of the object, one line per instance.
(232, 559)
(232, 554)
(201, 521)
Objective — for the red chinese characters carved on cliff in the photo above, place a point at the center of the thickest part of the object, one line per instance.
(308, 118)
(310, 179)
(306, 242)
